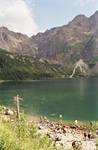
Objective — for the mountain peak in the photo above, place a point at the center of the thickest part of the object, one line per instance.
(94, 21)
(79, 21)
(54, 41)
(3, 28)
(81, 16)
(96, 13)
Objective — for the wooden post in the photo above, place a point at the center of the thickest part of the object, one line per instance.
(17, 100)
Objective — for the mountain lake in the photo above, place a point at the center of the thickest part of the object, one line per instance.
(75, 98)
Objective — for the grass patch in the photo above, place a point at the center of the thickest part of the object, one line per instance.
(19, 135)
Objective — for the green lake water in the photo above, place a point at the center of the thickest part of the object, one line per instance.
(73, 98)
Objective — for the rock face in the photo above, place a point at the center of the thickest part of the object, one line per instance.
(82, 66)
(69, 43)
(14, 42)
(77, 39)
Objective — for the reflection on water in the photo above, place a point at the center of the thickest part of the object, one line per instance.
(73, 98)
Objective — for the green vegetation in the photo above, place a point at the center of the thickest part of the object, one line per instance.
(19, 135)
(94, 60)
(22, 133)
(17, 67)
(66, 49)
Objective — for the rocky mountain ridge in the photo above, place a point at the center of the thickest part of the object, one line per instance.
(74, 41)
(71, 40)
(63, 45)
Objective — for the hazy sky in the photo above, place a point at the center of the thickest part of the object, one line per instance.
(50, 13)
(32, 16)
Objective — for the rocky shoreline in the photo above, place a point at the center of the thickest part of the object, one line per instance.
(67, 135)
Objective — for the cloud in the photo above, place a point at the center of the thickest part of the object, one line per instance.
(85, 2)
(16, 15)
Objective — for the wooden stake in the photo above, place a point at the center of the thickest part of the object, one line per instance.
(17, 100)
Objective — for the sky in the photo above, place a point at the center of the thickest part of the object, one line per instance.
(33, 16)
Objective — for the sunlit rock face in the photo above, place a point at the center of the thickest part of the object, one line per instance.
(83, 67)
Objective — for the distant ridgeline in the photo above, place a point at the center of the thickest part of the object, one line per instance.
(18, 67)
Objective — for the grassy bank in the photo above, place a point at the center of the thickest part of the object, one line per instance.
(23, 133)
(19, 135)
